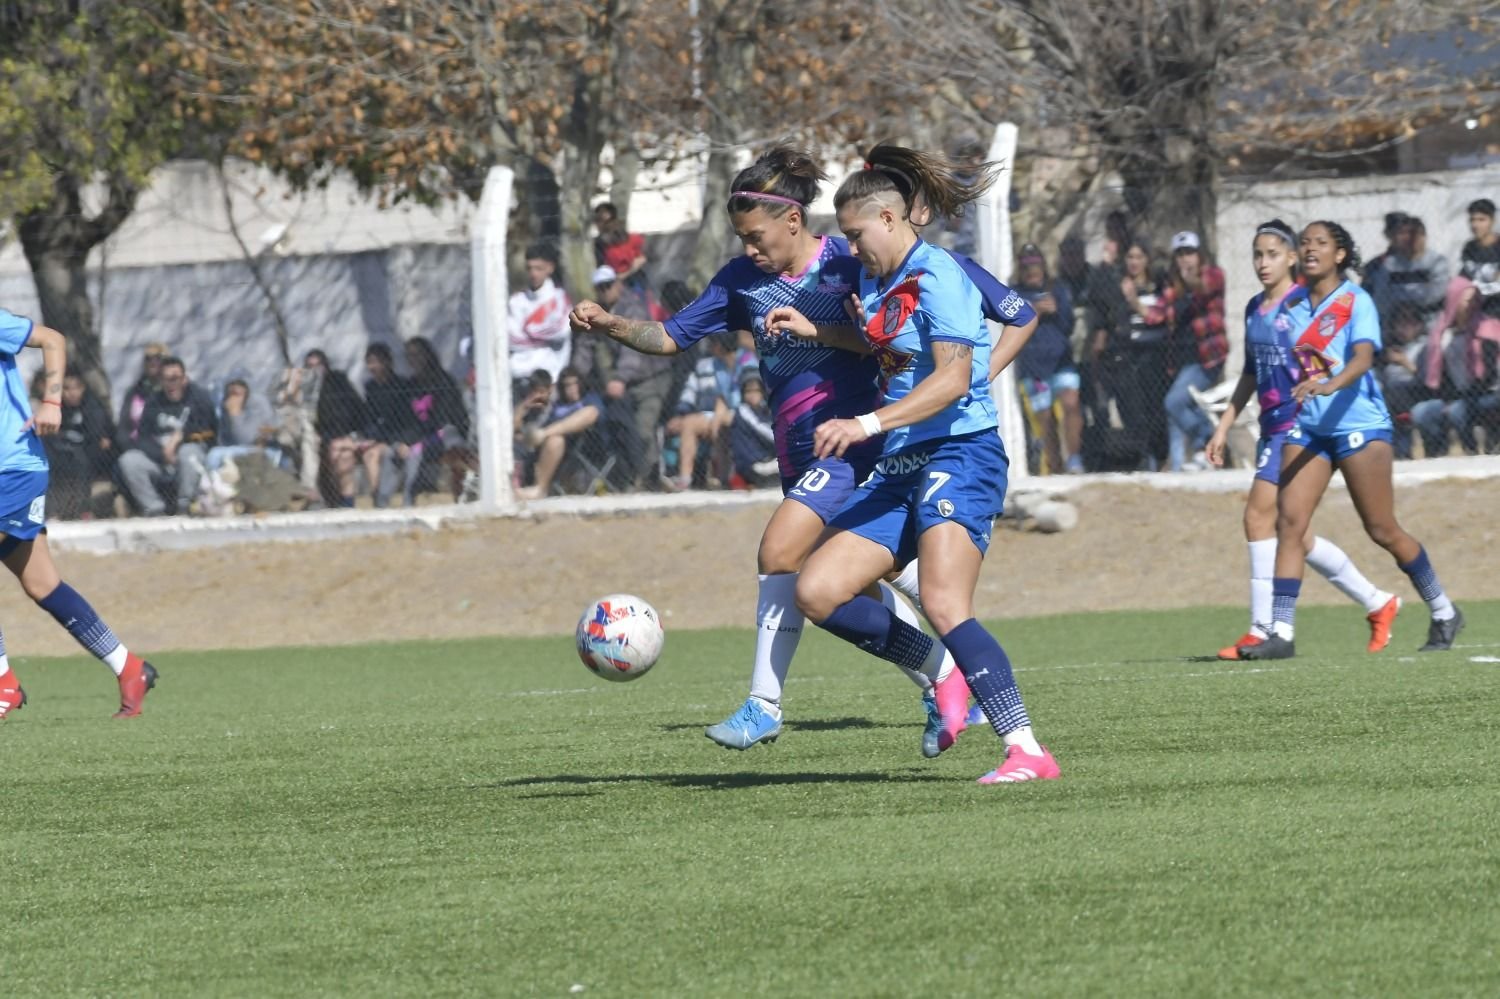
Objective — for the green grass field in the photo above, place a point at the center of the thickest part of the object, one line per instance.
(485, 818)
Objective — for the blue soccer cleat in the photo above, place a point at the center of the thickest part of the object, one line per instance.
(976, 716)
(752, 723)
(932, 732)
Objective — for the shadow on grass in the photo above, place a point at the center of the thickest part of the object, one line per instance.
(716, 782)
(811, 725)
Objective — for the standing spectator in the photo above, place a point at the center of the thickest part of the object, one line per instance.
(81, 451)
(133, 406)
(1193, 307)
(539, 335)
(393, 425)
(617, 248)
(1458, 367)
(752, 435)
(1410, 273)
(180, 423)
(1400, 373)
(442, 419)
(645, 380)
(1139, 366)
(1480, 259)
(1045, 368)
(1373, 272)
(571, 416)
(1092, 288)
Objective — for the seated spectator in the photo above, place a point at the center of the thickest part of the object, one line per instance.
(1400, 373)
(297, 419)
(81, 452)
(442, 419)
(245, 424)
(1480, 259)
(1458, 367)
(569, 418)
(540, 338)
(615, 247)
(340, 420)
(1193, 307)
(752, 435)
(1410, 273)
(704, 408)
(162, 466)
(393, 427)
(133, 406)
(1044, 368)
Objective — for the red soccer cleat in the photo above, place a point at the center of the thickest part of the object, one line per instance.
(12, 697)
(1232, 652)
(1380, 624)
(138, 678)
(1020, 766)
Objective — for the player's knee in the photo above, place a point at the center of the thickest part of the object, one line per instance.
(946, 614)
(1259, 523)
(1385, 533)
(818, 597)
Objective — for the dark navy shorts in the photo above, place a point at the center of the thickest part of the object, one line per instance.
(826, 485)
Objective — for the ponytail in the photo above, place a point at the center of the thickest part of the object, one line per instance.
(907, 173)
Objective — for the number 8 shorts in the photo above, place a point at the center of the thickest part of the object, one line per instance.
(958, 479)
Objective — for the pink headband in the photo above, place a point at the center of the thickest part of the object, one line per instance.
(762, 196)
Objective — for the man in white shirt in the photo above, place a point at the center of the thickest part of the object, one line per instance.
(540, 339)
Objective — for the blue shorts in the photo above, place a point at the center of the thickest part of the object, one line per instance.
(826, 485)
(23, 495)
(1336, 447)
(1268, 457)
(1039, 391)
(958, 479)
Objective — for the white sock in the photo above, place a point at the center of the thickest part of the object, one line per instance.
(904, 612)
(778, 630)
(906, 584)
(116, 659)
(4, 664)
(1262, 569)
(1334, 563)
(1283, 629)
(1024, 738)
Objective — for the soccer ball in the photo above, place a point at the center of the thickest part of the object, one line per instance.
(620, 637)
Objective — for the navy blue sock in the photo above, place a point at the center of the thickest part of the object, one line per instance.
(868, 624)
(70, 610)
(1284, 593)
(1419, 570)
(986, 667)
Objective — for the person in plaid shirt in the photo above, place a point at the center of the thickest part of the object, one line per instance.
(1192, 306)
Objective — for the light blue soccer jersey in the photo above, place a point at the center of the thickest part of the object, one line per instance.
(928, 300)
(1343, 319)
(20, 448)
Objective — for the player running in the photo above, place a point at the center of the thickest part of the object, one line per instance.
(941, 477)
(23, 516)
(827, 375)
(1342, 423)
(1270, 319)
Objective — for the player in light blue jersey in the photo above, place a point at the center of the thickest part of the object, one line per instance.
(1271, 318)
(23, 516)
(942, 473)
(1343, 423)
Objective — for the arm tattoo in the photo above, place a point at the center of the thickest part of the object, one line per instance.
(947, 353)
(646, 337)
(53, 381)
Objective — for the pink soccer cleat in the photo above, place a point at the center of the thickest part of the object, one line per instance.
(953, 706)
(1021, 766)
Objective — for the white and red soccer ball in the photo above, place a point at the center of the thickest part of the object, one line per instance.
(620, 637)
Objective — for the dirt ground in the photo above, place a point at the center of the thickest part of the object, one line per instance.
(1135, 547)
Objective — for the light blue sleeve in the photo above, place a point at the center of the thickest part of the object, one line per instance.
(14, 332)
(1364, 322)
(951, 308)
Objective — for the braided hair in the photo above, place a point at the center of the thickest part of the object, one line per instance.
(1343, 241)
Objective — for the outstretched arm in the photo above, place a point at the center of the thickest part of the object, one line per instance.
(644, 335)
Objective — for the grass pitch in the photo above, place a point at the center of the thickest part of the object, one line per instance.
(485, 818)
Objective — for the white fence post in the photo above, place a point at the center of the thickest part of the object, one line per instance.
(491, 298)
(992, 218)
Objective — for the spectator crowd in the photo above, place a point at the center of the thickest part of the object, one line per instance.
(1114, 379)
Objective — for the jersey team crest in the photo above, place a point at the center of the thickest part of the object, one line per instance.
(1311, 347)
(898, 305)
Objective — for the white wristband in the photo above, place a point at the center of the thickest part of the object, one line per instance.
(871, 423)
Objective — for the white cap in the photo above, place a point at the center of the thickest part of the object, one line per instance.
(1185, 241)
(605, 275)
